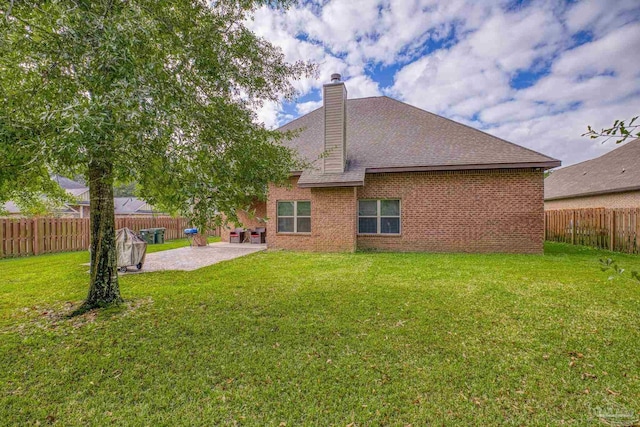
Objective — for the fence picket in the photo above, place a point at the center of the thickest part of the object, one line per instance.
(34, 236)
(615, 229)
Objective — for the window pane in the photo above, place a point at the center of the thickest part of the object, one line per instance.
(390, 225)
(368, 208)
(304, 208)
(304, 225)
(285, 208)
(390, 208)
(367, 225)
(285, 225)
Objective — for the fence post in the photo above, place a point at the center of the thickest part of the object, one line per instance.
(612, 230)
(2, 224)
(573, 227)
(36, 236)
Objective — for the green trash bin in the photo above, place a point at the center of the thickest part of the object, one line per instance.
(148, 235)
(159, 235)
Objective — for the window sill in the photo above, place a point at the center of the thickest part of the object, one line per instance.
(380, 234)
(284, 233)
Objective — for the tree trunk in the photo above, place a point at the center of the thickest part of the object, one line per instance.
(103, 289)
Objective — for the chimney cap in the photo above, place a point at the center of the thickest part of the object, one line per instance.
(335, 78)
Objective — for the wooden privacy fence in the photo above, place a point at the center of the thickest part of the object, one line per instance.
(35, 236)
(613, 229)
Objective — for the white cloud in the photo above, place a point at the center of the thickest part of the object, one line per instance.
(540, 117)
(559, 135)
(511, 111)
(307, 107)
(453, 81)
(600, 16)
(480, 47)
(605, 54)
(514, 40)
(268, 114)
(343, 22)
(361, 87)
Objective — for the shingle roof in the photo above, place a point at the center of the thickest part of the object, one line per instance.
(11, 207)
(77, 191)
(383, 133)
(68, 184)
(130, 205)
(354, 176)
(618, 170)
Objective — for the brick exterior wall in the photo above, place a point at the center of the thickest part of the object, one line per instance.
(628, 199)
(248, 221)
(461, 211)
(333, 221)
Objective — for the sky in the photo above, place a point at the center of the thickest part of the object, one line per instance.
(535, 73)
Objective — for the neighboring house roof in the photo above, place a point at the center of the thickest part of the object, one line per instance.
(614, 172)
(76, 189)
(123, 205)
(131, 205)
(386, 135)
(11, 208)
(69, 184)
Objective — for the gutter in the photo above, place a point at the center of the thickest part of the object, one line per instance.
(485, 166)
(541, 165)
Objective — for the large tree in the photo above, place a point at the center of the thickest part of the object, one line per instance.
(160, 92)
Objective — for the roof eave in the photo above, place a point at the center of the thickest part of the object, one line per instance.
(525, 165)
(332, 184)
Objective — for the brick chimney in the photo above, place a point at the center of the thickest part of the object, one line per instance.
(334, 95)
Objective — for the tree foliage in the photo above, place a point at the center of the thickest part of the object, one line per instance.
(124, 190)
(158, 92)
(611, 266)
(621, 130)
(163, 90)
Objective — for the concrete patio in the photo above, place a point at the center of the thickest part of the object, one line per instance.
(193, 258)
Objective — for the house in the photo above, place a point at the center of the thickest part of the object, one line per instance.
(609, 181)
(80, 192)
(389, 176)
(80, 208)
(77, 209)
(132, 206)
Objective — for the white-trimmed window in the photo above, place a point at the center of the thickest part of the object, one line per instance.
(294, 216)
(379, 216)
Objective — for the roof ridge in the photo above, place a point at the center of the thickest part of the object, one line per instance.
(469, 127)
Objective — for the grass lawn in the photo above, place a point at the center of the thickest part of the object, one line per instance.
(286, 338)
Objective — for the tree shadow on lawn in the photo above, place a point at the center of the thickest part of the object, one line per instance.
(70, 315)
